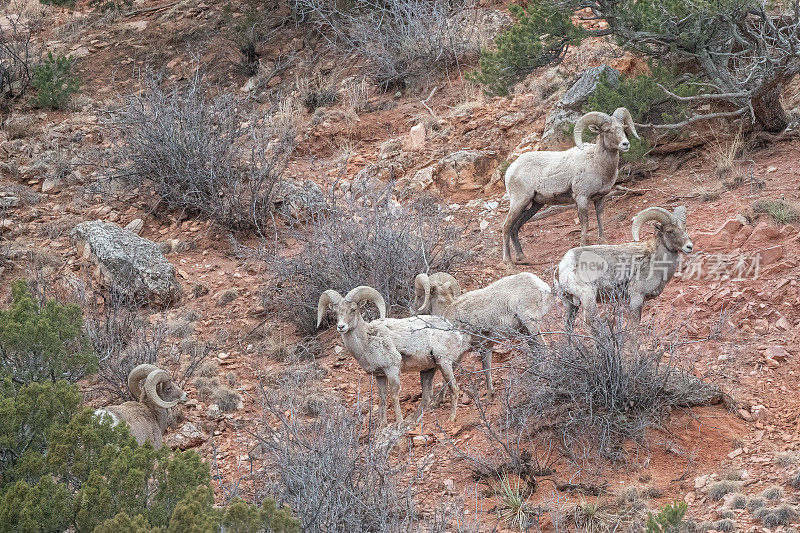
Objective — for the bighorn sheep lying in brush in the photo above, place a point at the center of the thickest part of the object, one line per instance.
(579, 175)
(632, 272)
(148, 416)
(509, 304)
(387, 346)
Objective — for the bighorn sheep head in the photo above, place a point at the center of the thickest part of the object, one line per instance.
(448, 292)
(611, 127)
(426, 287)
(347, 309)
(159, 388)
(670, 227)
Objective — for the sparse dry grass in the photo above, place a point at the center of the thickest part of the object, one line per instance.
(356, 94)
(723, 154)
(780, 211)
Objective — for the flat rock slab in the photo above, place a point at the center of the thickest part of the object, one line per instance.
(127, 262)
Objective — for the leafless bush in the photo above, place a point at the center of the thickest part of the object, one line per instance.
(202, 154)
(122, 339)
(365, 239)
(331, 473)
(399, 39)
(19, 53)
(604, 389)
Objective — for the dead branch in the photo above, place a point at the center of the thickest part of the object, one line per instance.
(696, 118)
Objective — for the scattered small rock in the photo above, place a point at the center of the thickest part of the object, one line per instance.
(226, 296)
(188, 436)
(135, 226)
(51, 186)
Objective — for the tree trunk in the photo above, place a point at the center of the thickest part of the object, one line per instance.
(769, 113)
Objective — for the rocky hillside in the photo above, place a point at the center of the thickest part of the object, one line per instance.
(209, 298)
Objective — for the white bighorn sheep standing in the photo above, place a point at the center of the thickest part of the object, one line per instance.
(388, 346)
(633, 272)
(512, 303)
(147, 417)
(579, 175)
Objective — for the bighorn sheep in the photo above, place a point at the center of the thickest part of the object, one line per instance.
(633, 272)
(424, 284)
(387, 346)
(510, 303)
(148, 416)
(579, 175)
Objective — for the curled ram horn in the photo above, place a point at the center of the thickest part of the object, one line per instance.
(154, 379)
(326, 298)
(592, 118)
(624, 115)
(422, 285)
(136, 376)
(659, 214)
(364, 292)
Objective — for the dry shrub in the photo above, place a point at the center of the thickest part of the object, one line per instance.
(368, 239)
(400, 40)
(331, 473)
(122, 339)
(601, 390)
(20, 52)
(202, 154)
(356, 94)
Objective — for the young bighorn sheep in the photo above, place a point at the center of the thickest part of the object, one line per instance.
(388, 346)
(148, 416)
(579, 175)
(424, 284)
(512, 303)
(633, 272)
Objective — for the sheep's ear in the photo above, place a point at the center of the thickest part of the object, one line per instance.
(593, 128)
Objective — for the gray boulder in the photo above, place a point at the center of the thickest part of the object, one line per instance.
(128, 263)
(570, 107)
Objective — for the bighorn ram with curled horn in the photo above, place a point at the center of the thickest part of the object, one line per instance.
(510, 304)
(633, 272)
(148, 416)
(579, 175)
(425, 286)
(386, 347)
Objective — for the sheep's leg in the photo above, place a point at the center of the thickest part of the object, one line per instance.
(447, 372)
(394, 393)
(426, 381)
(598, 210)
(383, 385)
(514, 212)
(572, 311)
(637, 302)
(486, 363)
(583, 216)
(522, 219)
